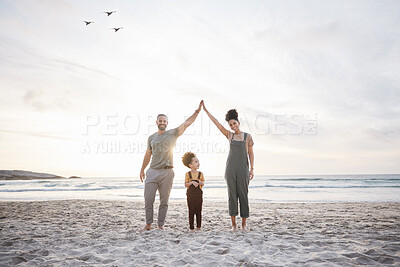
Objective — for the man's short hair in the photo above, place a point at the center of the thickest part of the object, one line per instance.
(159, 115)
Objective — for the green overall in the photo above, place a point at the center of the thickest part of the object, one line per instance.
(237, 178)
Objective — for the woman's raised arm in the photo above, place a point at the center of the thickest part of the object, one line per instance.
(216, 122)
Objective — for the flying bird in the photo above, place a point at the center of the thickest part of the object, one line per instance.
(109, 13)
(88, 22)
(117, 29)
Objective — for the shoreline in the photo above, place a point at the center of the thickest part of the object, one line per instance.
(205, 201)
(98, 232)
(262, 190)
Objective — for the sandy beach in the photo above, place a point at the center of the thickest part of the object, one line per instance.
(91, 232)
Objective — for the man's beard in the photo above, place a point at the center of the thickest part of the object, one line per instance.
(162, 127)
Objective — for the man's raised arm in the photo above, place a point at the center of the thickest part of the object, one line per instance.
(190, 120)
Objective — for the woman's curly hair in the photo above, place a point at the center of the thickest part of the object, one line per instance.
(187, 158)
(232, 115)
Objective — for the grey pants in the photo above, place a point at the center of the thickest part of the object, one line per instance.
(238, 189)
(161, 180)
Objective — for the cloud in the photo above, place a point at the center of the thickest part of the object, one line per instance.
(31, 98)
(339, 60)
(40, 7)
(42, 102)
(40, 135)
(82, 69)
(18, 54)
(389, 134)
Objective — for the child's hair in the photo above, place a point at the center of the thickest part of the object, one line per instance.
(232, 114)
(187, 158)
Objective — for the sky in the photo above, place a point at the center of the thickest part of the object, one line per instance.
(316, 84)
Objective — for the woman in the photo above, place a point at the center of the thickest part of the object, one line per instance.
(237, 173)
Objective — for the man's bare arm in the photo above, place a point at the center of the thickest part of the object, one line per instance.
(146, 161)
(190, 120)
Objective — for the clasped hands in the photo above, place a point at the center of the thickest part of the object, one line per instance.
(196, 184)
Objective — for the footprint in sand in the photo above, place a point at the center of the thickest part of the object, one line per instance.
(214, 243)
(84, 257)
(18, 260)
(222, 251)
(7, 244)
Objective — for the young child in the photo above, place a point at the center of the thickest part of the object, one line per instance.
(194, 181)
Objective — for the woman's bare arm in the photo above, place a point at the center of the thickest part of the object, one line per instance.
(216, 122)
(251, 158)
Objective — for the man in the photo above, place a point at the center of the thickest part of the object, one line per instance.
(160, 175)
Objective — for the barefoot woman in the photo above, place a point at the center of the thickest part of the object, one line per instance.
(237, 174)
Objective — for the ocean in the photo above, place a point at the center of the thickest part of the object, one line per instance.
(263, 188)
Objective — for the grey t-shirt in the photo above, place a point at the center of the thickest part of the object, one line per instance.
(162, 148)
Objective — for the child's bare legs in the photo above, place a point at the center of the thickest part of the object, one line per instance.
(234, 226)
(244, 227)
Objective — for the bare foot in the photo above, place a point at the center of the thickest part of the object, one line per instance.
(146, 228)
(198, 230)
(244, 228)
(191, 230)
(234, 228)
(160, 227)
